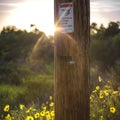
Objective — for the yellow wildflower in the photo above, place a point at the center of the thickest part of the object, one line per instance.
(37, 115)
(115, 92)
(101, 118)
(93, 115)
(21, 106)
(91, 99)
(50, 97)
(99, 79)
(101, 95)
(52, 113)
(94, 91)
(48, 117)
(33, 109)
(7, 108)
(107, 87)
(29, 110)
(106, 92)
(97, 87)
(112, 109)
(44, 108)
(47, 113)
(8, 117)
(51, 104)
(42, 113)
(101, 110)
(29, 118)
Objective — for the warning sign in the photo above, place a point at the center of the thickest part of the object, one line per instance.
(66, 17)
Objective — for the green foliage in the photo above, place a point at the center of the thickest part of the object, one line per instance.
(105, 50)
(23, 53)
(26, 66)
(106, 46)
(104, 105)
(34, 89)
(113, 29)
(104, 101)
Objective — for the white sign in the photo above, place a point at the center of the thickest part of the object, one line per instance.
(66, 17)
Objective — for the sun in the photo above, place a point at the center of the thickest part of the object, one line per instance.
(37, 12)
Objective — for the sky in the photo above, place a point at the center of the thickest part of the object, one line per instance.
(22, 13)
(104, 11)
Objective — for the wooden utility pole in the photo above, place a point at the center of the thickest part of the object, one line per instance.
(72, 18)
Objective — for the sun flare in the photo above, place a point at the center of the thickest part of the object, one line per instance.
(37, 12)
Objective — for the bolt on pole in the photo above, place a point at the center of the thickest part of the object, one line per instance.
(72, 40)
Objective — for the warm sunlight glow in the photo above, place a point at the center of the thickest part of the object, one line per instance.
(56, 29)
(37, 12)
(23, 13)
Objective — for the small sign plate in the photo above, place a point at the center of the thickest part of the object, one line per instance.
(66, 17)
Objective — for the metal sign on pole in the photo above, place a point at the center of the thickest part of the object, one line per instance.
(66, 17)
(72, 17)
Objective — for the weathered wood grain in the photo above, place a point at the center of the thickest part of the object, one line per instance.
(72, 65)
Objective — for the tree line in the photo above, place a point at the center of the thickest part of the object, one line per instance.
(105, 49)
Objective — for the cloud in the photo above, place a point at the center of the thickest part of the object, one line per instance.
(11, 1)
(104, 11)
(6, 7)
(105, 5)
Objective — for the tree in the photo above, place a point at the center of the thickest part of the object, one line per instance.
(103, 43)
(113, 29)
(93, 28)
